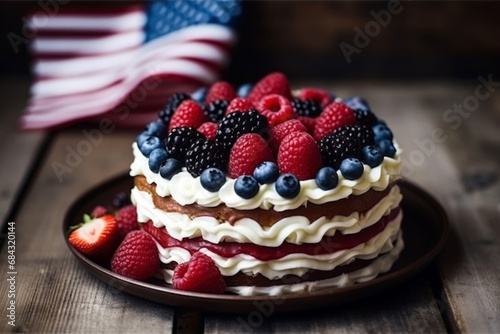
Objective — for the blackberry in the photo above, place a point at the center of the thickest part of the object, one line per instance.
(203, 154)
(346, 142)
(172, 103)
(216, 110)
(232, 126)
(180, 139)
(121, 199)
(308, 108)
(365, 117)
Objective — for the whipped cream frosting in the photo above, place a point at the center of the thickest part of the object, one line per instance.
(186, 189)
(294, 229)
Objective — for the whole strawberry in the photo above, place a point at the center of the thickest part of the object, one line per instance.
(126, 220)
(136, 257)
(239, 104)
(247, 153)
(280, 131)
(273, 83)
(220, 90)
(188, 113)
(199, 274)
(299, 155)
(334, 116)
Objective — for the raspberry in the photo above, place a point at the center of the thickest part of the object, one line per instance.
(172, 103)
(98, 211)
(199, 274)
(236, 124)
(273, 83)
(180, 140)
(365, 117)
(126, 220)
(309, 108)
(309, 123)
(208, 129)
(280, 131)
(345, 142)
(276, 108)
(299, 155)
(136, 257)
(216, 110)
(204, 154)
(334, 116)
(320, 96)
(188, 113)
(220, 90)
(239, 104)
(247, 153)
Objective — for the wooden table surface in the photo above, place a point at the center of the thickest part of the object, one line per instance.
(453, 155)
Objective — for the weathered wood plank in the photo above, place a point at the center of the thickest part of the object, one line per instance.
(54, 293)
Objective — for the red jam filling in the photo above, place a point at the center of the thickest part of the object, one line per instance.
(327, 245)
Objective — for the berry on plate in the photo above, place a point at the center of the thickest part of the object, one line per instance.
(199, 274)
(220, 90)
(273, 83)
(287, 186)
(246, 186)
(276, 108)
(98, 211)
(334, 116)
(126, 220)
(136, 257)
(240, 104)
(247, 153)
(280, 131)
(299, 155)
(188, 113)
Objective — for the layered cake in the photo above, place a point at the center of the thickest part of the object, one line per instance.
(285, 191)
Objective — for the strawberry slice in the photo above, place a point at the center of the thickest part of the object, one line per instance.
(96, 238)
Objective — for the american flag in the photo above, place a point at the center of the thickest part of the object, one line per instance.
(123, 61)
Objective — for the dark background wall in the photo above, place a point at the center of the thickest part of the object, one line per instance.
(424, 40)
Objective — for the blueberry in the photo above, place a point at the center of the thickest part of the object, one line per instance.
(327, 178)
(141, 138)
(351, 168)
(287, 185)
(150, 144)
(171, 167)
(246, 186)
(381, 131)
(156, 158)
(199, 94)
(372, 156)
(156, 128)
(357, 102)
(387, 148)
(212, 179)
(244, 90)
(266, 172)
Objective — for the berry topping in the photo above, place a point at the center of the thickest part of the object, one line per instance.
(136, 257)
(287, 186)
(299, 155)
(309, 123)
(199, 274)
(199, 95)
(387, 148)
(96, 238)
(180, 140)
(239, 104)
(246, 186)
(157, 129)
(171, 167)
(126, 220)
(98, 211)
(365, 117)
(216, 110)
(308, 108)
(150, 144)
(247, 153)
(273, 83)
(372, 156)
(237, 124)
(266, 172)
(320, 96)
(345, 142)
(208, 129)
(188, 113)
(327, 178)
(351, 168)
(357, 102)
(333, 117)
(381, 131)
(157, 158)
(142, 137)
(212, 179)
(203, 154)
(276, 108)
(280, 131)
(172, 103)
(220, 90)
(244, 90)
(121, 199)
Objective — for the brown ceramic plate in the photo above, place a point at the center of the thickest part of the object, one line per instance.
(425, 229)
